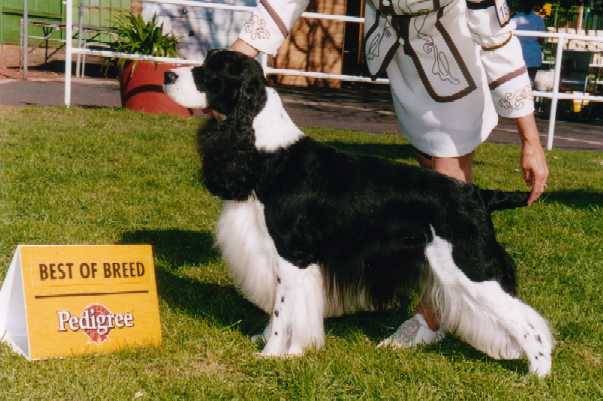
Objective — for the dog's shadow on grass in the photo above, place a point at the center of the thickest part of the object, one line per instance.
(452, 348)
(222, 305)
(377, 326)
(577, 199)
(176, 247)
(219, 303)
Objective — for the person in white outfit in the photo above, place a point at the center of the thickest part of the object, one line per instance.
(453, 65)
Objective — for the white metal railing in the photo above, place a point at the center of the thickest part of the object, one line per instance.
(554, 95)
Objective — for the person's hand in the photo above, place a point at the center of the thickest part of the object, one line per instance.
(241, 46)
(535, 169)
(533, 162)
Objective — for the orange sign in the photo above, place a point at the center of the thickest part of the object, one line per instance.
(59, 300)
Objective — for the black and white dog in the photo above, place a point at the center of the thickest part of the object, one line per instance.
(310, 232)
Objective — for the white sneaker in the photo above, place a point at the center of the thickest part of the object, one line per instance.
(413, 332)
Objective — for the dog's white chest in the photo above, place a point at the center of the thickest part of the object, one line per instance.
(273, 127)
(248, 250)
(252, 258)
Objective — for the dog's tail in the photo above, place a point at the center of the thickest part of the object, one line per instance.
(500, 200)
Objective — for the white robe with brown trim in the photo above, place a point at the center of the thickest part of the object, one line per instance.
(454, 65)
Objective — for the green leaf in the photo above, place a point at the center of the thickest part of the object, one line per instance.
(136, 36)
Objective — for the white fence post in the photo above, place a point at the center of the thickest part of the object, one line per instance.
(25, 36)
(555, 95)
(68, 49)
(264, 61)
(80, 29)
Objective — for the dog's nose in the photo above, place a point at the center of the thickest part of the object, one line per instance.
(169, 77)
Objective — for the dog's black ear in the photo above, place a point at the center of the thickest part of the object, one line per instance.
(230, 159)
(252, 92)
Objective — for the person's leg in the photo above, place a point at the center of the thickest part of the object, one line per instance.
(424, 159)
(455, 167)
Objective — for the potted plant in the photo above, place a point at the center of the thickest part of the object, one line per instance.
(141, 82)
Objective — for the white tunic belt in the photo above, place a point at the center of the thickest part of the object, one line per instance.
(454, 65)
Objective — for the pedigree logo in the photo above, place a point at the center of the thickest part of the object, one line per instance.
(96, 321)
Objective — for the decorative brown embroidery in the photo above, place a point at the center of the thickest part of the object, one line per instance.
(256, 28)
(507, 77)
(513, 101)
(441, 67)
(382, 44)
(374, 46)
(441, 64)
(502, 12)
(500, 45)
(412, 7)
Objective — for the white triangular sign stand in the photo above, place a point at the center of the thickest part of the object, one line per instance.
(13, 324)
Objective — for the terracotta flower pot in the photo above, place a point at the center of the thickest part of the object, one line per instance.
(141, 87)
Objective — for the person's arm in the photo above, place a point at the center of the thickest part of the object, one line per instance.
(268, 26)
(241, 46)
(509, 84)
(533, 162)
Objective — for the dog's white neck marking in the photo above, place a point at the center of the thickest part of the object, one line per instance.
(273, 126)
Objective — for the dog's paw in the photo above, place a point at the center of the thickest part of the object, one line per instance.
(538, 346)
(283, 345)
(292, 351)
(411, 333)
(277, 341)
(540, 364)
(533, 334)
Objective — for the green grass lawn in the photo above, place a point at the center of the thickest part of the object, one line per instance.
(104, 176)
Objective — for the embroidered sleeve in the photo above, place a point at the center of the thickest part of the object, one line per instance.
(501, 56)
(270, 23)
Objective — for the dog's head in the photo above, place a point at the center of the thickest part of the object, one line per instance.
(228, 83)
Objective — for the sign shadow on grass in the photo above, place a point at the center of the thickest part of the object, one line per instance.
(220, 304)
(452, 348)
(223, 306)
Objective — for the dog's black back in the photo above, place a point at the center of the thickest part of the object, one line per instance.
(374, 216)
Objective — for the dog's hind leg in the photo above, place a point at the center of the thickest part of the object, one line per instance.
(484, 315)
(296, 322)
(416, 331)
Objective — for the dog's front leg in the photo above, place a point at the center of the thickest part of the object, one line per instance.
(296, 322)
